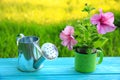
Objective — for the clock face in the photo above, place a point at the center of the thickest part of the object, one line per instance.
(49, 51)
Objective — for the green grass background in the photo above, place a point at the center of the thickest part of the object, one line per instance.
(10, 27)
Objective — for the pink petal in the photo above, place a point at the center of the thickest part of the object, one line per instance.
(69, 30)
(65, 42)
(70, 42)
(110, 27)
(109, 17)
(63, 36)
(73, 42)
(95, 19)
(100, 29)
(105, 28)
(70, 47)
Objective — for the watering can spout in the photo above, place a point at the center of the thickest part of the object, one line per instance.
(48, 51)
(39, 62)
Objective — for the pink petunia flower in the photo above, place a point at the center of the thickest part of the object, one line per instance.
(104, 22)
(67, 37)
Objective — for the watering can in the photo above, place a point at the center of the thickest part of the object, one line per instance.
(30, 55)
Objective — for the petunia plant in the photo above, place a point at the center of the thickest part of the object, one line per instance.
(89, 32)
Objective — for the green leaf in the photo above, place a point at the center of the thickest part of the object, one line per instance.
(88, 8)
(100, 42)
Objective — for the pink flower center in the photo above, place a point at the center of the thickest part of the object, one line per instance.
(102, 20)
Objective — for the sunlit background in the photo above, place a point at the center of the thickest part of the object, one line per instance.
(46, 18)
(50, 11)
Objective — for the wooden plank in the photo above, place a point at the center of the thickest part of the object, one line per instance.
(109, 65)
(61, 68)
(62, 77)
(63, 60)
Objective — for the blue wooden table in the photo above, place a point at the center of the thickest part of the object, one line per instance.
(60, 69)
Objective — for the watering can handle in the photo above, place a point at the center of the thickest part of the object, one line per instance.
(19, 37)
(38, 48)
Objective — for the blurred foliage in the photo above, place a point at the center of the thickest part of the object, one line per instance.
(47, 33)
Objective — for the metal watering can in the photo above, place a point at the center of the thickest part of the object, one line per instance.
(31, 56)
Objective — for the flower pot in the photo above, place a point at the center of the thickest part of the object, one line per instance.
(87, 62)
